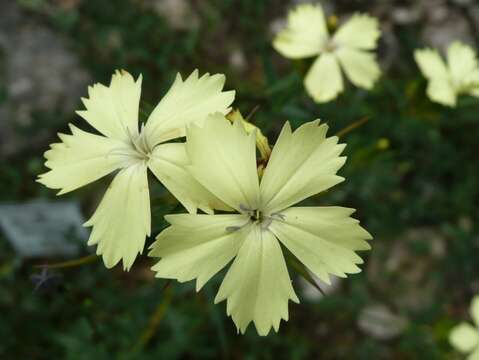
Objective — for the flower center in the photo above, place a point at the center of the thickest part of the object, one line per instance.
(136, 149)
(330, 46)
(141, 145)
(256, 216)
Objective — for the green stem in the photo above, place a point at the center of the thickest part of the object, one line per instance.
(70, 263)
(352, 126)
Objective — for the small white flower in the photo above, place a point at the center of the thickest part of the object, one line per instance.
(306, 35)
(465, 337)
(446, 81)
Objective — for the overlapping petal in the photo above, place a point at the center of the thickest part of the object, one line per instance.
(257, 286)
(361, 31)
(360, 67)
(305, 34)
(324, 80)
(168, 162)
(325, 239)
(122, 220)
(223, 160)
(80, 159)
(187, 101)
(113, 110)
(197, 246)
(303, 163)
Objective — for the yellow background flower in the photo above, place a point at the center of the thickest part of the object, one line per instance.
(306, 35)
(446, 81)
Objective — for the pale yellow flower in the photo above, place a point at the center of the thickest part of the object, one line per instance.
(465, 337)
(306, 35)
(446, 81)
(122, 220)
(257, 285)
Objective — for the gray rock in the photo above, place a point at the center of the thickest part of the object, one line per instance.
(405, 15)
(178, 13)
(443, 25)
(43, 229)
(379, 322)
(41, 75)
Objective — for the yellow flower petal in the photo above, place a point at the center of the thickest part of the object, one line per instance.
(474, 355)
(462, 63)
(223, 158)
(475, 310)
(196, 246)
(440, 87)
(324, 80)
(361, 31)
(122, 220)
(305, 34)
(302, 164)
(80, 159)
(257, 286)
(187, 101)
(168, 162)
(325, 239)
(113, 110)
(442, 92)
(431, 64)
(360, 67)
(460, 76)
(464, 337)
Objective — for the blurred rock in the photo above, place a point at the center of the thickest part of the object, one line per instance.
(454, 28)
(178, 13)
(43, 229)
(41, 75)
(380, 323)
(388, 49)
(443, 25)
(67, 4)
(463, 2)
(312, 294)
(277, 25)
(237, 60)
(408, 262)
(474, 14)
(404, 15)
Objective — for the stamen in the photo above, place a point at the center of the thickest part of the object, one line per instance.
(266, 223)
(231, 229)
(279, 215)
(245, 208)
